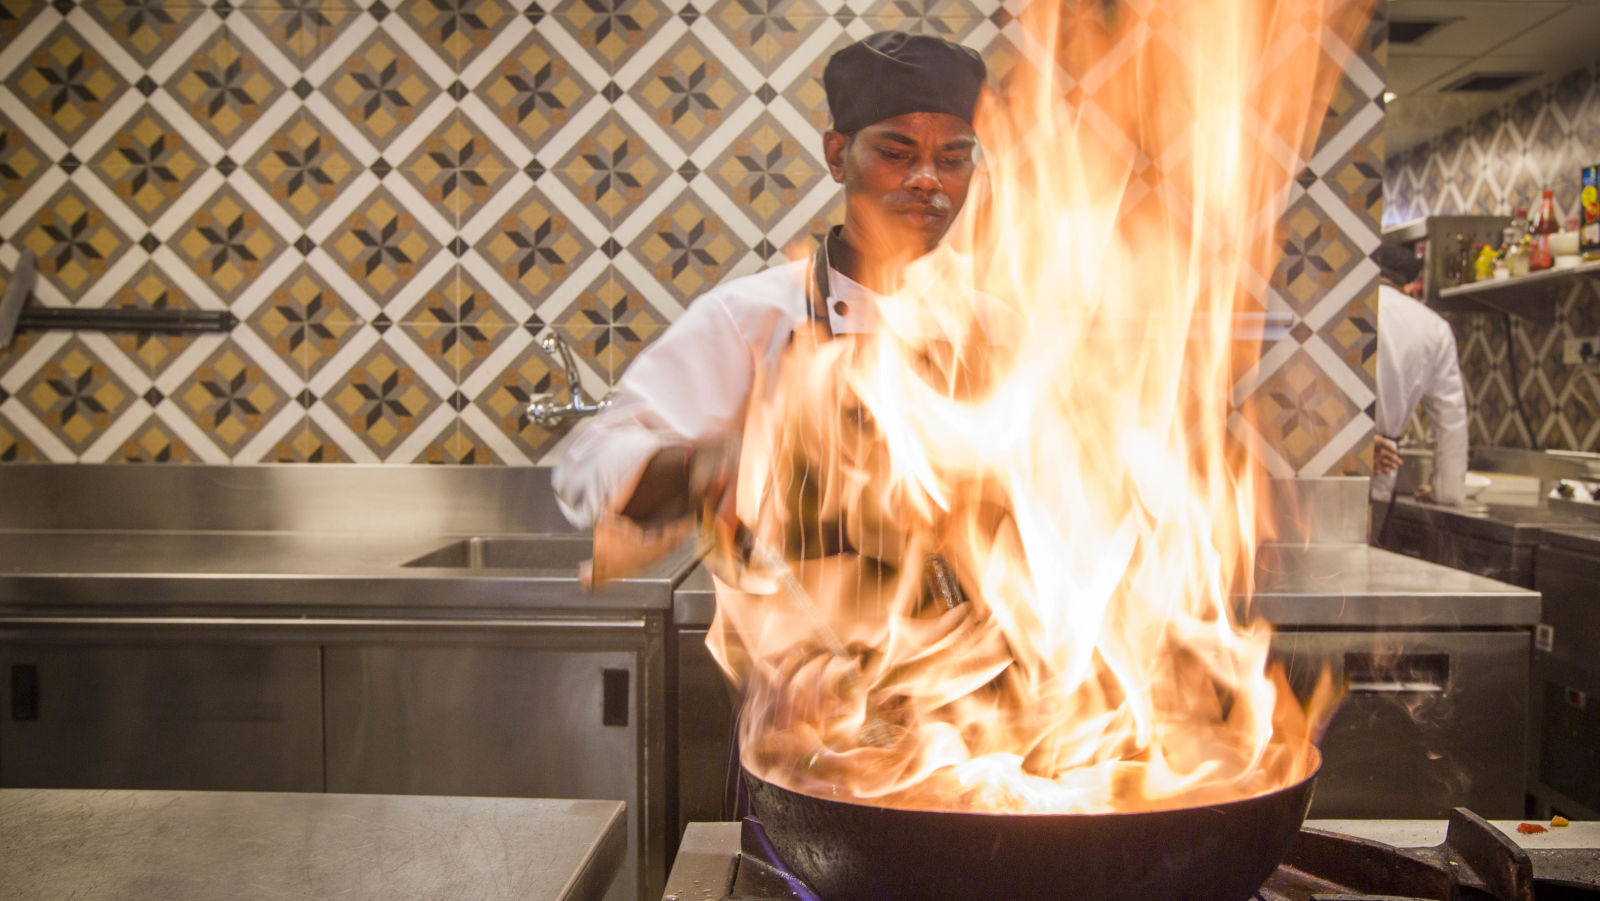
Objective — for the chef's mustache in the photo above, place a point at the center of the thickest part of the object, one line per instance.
(933, 202)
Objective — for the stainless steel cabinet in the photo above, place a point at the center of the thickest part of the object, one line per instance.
(170, 712)
(526, 715)
(1566, 663)
(1433, 720)
(703, 711)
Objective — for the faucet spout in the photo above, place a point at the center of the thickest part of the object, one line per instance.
(544, 410)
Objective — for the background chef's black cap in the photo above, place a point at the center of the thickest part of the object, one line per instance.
(893, 73)
(1397, 264)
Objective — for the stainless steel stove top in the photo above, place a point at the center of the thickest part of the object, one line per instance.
(1463, 859)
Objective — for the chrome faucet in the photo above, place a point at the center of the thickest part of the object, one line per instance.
(544, 410)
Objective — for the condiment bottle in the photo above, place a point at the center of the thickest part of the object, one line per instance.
(1544, 225)
(1517, 258)
(1485, 262)
(1457, 262)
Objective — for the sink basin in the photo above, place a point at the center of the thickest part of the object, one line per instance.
(549, 552)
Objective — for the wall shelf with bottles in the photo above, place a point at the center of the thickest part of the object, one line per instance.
(1440, 241)
(1531, 296)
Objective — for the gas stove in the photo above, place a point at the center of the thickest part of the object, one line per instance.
(1465, 858)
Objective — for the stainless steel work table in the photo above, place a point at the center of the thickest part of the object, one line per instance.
(1338, 585)
(306, 573)
(1361, 586)
(173, 846)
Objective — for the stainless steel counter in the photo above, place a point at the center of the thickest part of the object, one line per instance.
(1363, 586)
(173, 846)
(396, 630)
(300, 573)
(1321, 585)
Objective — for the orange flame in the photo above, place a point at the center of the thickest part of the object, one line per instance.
(1029, 464)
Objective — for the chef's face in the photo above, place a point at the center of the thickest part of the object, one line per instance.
(904, 180)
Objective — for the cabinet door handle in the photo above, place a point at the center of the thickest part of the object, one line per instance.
(24, 691)
(614, 697)
(1372, 673)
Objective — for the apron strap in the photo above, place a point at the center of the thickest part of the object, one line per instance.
(818, 283)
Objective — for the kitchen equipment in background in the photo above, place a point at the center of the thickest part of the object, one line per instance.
(855, 852)
(1565, 739)
(1494, 539)
(1442, 240)
(16, 315)
(1461, 857)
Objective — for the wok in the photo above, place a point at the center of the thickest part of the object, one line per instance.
(845, 851)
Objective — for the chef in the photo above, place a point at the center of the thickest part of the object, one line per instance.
(1416, 364)
(902, 144)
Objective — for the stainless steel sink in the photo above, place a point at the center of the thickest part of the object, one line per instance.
(547, 552)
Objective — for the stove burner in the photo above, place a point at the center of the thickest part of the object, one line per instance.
(1476, 862)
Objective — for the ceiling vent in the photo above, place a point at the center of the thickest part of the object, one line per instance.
(1486, 82)
(1410, 32)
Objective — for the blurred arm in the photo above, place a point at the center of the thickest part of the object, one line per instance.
(1446, 404)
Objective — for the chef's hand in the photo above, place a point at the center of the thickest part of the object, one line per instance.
(713, 471)
(684, 480)
(1385, 455)
(1424, 493)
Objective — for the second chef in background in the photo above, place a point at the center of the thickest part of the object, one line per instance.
(1417, 363)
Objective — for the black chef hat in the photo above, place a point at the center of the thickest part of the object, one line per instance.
(893, 73)
(1397, 264)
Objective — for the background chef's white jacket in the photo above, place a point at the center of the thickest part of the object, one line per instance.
(691, 385)
(1417, 363)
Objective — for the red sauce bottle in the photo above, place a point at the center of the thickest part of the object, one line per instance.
(1544, 225)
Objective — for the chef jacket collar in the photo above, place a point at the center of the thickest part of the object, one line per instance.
(833, 298)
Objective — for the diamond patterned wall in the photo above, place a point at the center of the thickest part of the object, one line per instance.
(397, 197)
(1496, 165)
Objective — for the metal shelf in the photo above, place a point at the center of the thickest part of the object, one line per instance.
(1529, 296)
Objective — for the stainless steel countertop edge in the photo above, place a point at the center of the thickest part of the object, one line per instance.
(1379, 588)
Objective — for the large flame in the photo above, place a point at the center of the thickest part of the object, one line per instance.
(1044, 520)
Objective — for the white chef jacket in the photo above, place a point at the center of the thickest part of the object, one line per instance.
(691, 385)
(1417, 364)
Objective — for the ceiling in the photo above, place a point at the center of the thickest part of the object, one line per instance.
(1546, 39)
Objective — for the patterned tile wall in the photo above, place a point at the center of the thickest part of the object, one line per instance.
(396, 197)
(1496, 165)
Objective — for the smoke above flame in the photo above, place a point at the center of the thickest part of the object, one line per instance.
(996, 550)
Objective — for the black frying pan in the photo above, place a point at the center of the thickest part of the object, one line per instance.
(846, 851)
